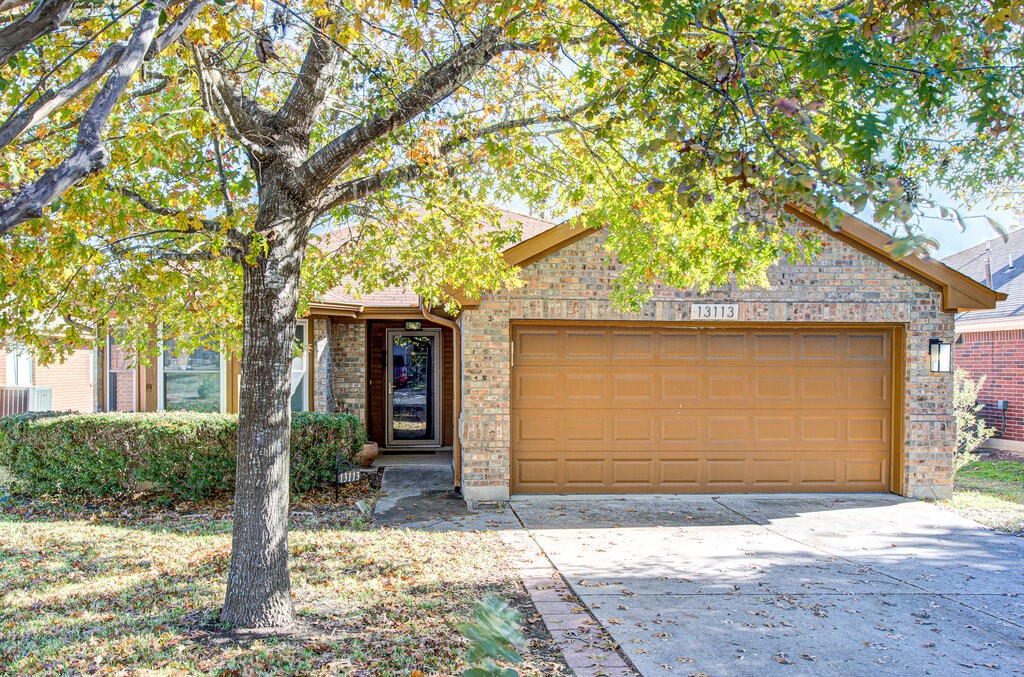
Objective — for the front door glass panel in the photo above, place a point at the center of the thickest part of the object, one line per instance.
(412, 389)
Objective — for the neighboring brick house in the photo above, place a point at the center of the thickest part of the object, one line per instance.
(820, 382)
(990, 343)
(70, 384)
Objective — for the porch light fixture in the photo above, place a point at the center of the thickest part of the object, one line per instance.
(940, 356)
(413, 325)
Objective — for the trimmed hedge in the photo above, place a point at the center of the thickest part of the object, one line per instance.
(189, 454)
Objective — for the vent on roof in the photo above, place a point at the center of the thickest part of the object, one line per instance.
(1009, 261)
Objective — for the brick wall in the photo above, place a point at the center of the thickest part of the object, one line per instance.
(999, 357)
(70, 380)
(323, 372)
(348, 367)
(842, 286)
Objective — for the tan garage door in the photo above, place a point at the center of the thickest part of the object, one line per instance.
(629, 410)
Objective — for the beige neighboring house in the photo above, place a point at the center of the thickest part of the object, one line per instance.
(26, 385)
(830, 380)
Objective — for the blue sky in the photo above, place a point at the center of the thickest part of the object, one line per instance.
(952, 240)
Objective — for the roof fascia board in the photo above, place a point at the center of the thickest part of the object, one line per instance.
(959, 292)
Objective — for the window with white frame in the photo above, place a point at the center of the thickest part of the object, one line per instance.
(300, 368)
(190, 381)
(120, 377)
(19, 367)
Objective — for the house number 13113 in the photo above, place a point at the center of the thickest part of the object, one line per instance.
(714, 311)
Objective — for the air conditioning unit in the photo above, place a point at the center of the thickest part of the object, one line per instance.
(40, 398)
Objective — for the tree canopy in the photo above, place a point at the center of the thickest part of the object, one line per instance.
(685, 125)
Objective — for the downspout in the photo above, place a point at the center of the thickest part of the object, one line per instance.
(456, 389)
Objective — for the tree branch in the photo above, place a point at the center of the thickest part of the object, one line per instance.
(177, 28)
(621, 31)
(44, 18)
(52, 100)
(245, 119)
(363, 187)
(435, 85)
(7, 5)
(205, 225)
(315, 79)
(90, 154)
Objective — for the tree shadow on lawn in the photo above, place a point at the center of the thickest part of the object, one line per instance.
(78, 597)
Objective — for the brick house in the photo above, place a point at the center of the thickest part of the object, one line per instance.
(68, 386)
(990, 342)
(821, 382)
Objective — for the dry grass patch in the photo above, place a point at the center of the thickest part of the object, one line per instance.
(139, 592)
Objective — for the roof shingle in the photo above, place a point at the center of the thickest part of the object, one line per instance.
(1007, 264)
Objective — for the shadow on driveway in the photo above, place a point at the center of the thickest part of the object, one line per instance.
(790, 585)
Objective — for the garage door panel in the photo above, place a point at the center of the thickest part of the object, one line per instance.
(773, 346)
(867, 346)
(727, 387)
(537, 388)
(780, 387)
(540, 346)
(819, 346)
(585, 386)
(874, 387)
(586, 429)
(679, 346)
(628, 471)
(632, 346)
(870, 429)
(727, 429)
(680, 387)
(866, 470)
(585, 472)
(771, 472)
(580, 346)
(685, 410)
(633, 386)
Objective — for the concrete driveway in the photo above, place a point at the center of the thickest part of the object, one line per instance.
(790, 585)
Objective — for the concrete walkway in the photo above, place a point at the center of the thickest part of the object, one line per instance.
(789, 585)
(418, 494)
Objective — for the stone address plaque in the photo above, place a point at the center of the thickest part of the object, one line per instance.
(714, 311)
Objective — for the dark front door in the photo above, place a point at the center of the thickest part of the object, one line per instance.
(413, 370)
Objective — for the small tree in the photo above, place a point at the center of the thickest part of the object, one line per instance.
(971, 429)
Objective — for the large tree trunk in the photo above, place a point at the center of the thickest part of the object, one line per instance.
(259, 589)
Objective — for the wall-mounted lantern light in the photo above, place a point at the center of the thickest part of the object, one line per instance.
(413, 325)
(940, 356)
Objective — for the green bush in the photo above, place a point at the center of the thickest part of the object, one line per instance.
(189, 454)
(315, 437)
(971, 430)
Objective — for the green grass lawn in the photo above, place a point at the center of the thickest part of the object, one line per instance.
(132, 591)
(991, 492)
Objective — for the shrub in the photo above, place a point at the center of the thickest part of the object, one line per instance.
(315, 439)
(971, 429)
(189, 454)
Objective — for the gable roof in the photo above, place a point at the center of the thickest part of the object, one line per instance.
(959, 292)
(1006, 261)
(540, 238)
